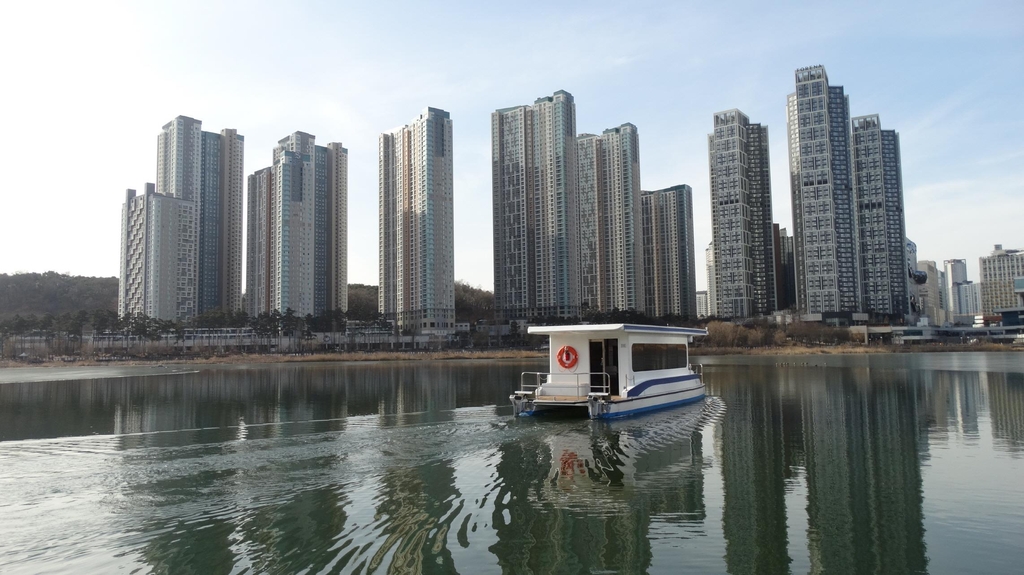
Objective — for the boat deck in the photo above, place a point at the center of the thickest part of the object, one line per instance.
(568, 398)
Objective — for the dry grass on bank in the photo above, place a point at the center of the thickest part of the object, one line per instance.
(848, 349)
(371, 356)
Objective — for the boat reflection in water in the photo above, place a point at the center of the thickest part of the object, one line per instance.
(616, 495)
(602, 468)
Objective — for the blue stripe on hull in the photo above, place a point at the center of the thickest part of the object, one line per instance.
(644, 386)
(651, 408)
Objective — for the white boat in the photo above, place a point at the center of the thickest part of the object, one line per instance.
(612, 370)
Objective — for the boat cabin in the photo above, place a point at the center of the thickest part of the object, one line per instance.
(585, 358)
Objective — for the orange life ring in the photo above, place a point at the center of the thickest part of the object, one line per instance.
(567, 357)
(570, 464)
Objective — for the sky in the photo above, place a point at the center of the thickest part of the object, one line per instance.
(88, 86)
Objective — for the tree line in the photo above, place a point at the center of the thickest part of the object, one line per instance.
(274, 323)
(55, 305)
(362, 300)
(764, 334)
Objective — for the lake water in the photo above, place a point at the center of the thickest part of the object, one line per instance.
(835, 464)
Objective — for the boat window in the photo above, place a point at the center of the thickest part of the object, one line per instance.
(654, 356)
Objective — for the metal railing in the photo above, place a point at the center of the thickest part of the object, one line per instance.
(541, 378)
(697, 368)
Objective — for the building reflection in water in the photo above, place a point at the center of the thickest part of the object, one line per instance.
(754, 472)
(1006, 401)
(857, 434)
(863, 475)
(953, 400)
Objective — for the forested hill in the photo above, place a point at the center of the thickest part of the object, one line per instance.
(54, 293)
(472, 303)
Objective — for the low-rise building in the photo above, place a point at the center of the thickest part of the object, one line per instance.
(997, 278)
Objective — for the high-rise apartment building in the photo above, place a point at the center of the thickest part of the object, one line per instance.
(179, 158)
(741, 216)
(171, 261)
(780, 295)
(259, 264)
(997, 274)
(417, 245)
(131, 288)
(956, 275)
(667, 244)
(913, 287)
(534, 174)
(611, 254)
(220, 221)
(337, 226)
(968, 298)
(702, 304)
(202, 173)
(158, 256)
(709, 265)
(590, 178)
(878, 195)
(207, 167)
(825, 226)
(294, 220)
(932, 294)
(785, 279)
(298, 230)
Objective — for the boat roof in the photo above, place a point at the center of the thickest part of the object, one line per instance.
(607, 327)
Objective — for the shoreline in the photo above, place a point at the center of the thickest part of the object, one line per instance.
(236, 359)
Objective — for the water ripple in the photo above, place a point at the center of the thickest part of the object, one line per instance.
(316, 470)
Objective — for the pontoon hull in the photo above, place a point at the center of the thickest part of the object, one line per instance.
(602, 407)
(599, 408)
